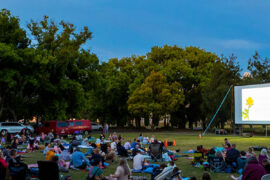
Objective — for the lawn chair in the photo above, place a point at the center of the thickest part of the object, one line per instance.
(17, 171)
(217, 164)
(266, 177)
(48, 170)
(156, 152)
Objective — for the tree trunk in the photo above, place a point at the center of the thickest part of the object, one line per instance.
(13, 113)
(190, 124)
(138, 122)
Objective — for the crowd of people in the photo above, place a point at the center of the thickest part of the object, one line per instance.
(229, 159)
(99, 152)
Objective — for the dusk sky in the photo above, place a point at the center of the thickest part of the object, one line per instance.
(125, 27)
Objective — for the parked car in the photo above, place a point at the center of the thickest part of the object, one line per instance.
(57, 127)
(96, 127)
(80, 126)
(14, 127)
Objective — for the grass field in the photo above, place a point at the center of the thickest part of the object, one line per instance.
(183, 142)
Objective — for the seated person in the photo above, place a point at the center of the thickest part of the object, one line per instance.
(176, 174)
(114, 146)
(102, 136)
(167, 172)
(114, 136)
(78, 160)
(17, 169)
(138, 161)
(263, 155)
(95, 171)
(253, 170)
(241, 162)
(152, 139)
(226, 145)
(110, 156)
(121, 151)
(14, 143)
(3, 165)
(232, 155)
(203, 150)
(46, 149)
(134, 143)
(127, 145)
(211, 153)
(145, 140)
(122, 171)
(60, 145)
(158, 170)
(49, 154)
(198, 156)
(217, 163)
(103, 147)
(96, 156)
(250, 153)
(65, 155)
(57, 150)
(61, 164)
(140, 138)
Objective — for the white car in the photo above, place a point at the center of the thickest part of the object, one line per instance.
(14, 127)
(96, 127)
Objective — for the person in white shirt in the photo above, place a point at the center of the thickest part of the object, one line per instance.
(113, 146)
(127, 145)
(138, 161)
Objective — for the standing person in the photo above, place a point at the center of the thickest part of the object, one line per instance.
(122, 171)
(106, 128)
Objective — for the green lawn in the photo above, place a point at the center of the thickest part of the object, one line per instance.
(183, 142)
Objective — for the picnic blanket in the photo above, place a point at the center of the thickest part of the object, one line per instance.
(146, 169)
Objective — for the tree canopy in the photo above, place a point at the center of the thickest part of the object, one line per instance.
(46, 71)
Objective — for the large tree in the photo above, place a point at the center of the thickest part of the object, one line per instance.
(155, 98)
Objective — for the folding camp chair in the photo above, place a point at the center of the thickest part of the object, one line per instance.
(156, 152)
(217, 164)
(266, 177)
(48, 170)
(17, 171)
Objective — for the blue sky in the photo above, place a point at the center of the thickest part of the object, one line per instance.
(125, 27)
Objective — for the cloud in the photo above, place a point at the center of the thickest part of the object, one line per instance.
(239, 44)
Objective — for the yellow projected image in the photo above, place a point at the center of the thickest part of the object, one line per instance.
(249, 103)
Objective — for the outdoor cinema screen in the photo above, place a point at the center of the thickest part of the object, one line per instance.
(252, 104)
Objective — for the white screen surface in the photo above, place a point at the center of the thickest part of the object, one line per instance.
(252, 104)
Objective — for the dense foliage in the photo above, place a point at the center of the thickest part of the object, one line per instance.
(48, 74)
